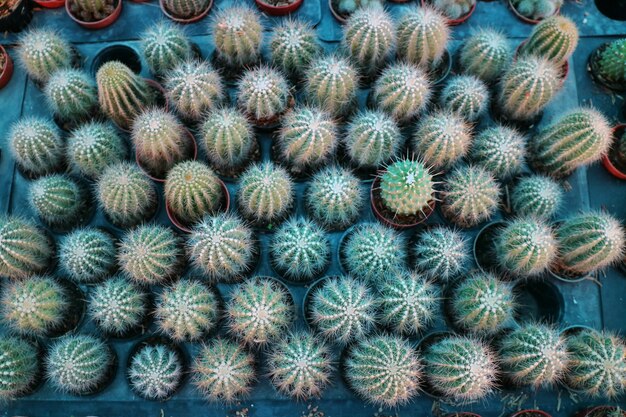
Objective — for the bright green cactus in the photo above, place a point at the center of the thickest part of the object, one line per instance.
(467, 96)
(293, 46)
(454, 9)
(403, 91)
(486, 54)
(537, 196)
(500, 150)
(91, 10)
(423, 35)
(58, 199)
(71, 94)
(19, 367)
(228, 138)
(266, 192)
(442, 138)
(369, 38)
(42, 52)
(263, 95)
(118, 306)
(186, 9)
(164, 46)
(237, 34)
(407, 188)
(93, 147)
(555, 38)
(373, 139)
(332, 83)
(156, 371)
(25, 249)
(537, 9)
(87, 255)
(194, 88)
(610, 63)
(384, 370)
(36, 145)
(441, 253)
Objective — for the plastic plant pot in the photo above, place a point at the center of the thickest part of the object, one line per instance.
(185, 20)
(612, 161)
(50, 4)
(613, 9)
(592, 68)
(17, 18)
(278, 10)
(340, 18)
(598, 411)
(7, 70)
(455, 22)
(98, 24)
(483, 247)
(538, 301)
(573, 330)
(384, 215)
(528, 19)
(440, 72)
(184, 227)
(463, 413)
(117, 52)
(194, 156)
(531, 413)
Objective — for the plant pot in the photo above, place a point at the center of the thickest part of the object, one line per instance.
(611, 161)
(455, 22)
(442, 70)
(573, 330)
(185, 227)
(75, 312)
(537, 301)
(185, 20)
(592, 68)
(17, 18)
(278, 10)
(386, 216)
(464, 413)
(340, 18)
(162, 102)
(598, 411)
(98, 24)
(49, 4)
(194, 154)
(528, 19)
(7, 71)
(483, 247)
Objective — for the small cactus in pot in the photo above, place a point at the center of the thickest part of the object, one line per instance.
(607, 64)
(71, 94)
(91, 10)
(455, 9)
(263, 95)
(537, 9)
(194, 88)
(466, 96)
(442, 138)
(555, 38)
(441, 253)
(58, 200)
(332, 83)
(94, 146)
(423, 35)
(293, 46)
(42, 52)
(372, 139)
(537, 196)
(25, 249)
(186, 9)
(164, 46)
(118, 306)
(87, 255)
(237, 34)
(228, 139)
(500, 150)
(36, 146)
(403, 91)
(19, 367)
(155, 371)
(486, 54)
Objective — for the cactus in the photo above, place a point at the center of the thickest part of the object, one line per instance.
(93, 147)
(384, 370)
(500, 150)
(91, 10)
(537, 196)
(57, 199)
(589, 241)
(331, 83)
(25, 249)
(263, 95)
(155, 371)
(122, 94)
(342, 309)
(408, 302)
(346, 7)
(371, 251)
(407, 188)
(265, 192)
(79, 364)
(42, 52)
(423, 35)
(334, 198)
(369, 38)
(164, 46)
(373, 138)
(187, 310)
(537, 9)
(118, 306)
(150, 254)
(19, 367)
(299, 250)
(228, 138)
(471, 196)
(237, 34)
(36, 145)
(71, 94)
(125, 195)
(186, 9)
(293, 46)
(597, 364)
(192, 190)
(402, 91)
(609, 62)
(534, 355)
(194, 88)
(485, 54)
(222, 247)
(224, 371)
(87, 255)
(455, 9)
(461, 368)
(555, 39)
(467, 96)
(578, 138)
(300, 365)
(441, 253)
(442, 139)
(527, 87)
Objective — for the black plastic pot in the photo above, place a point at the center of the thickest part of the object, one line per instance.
(18, 18)
(594, 72)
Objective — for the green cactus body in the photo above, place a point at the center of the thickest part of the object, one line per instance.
(611, 62)
(537, 9)
(441, 253)
(57, 199)
(407, 188)
(164, 46)
(87, 255)
(71, 94)
(369, 38)
(42, 52)
(555, 38)
(537, 196)
(423, 35)
(486, 54)
(442, 139)
(228, 138)
(91, 10)
(19, 367)
(455, 9)
(402, 91)
(373, 139)
(466, 96)
(238, 34)
(155, 371)
(36, 145)
(500, 150)
(263, 95)
(118, 306)
(194, 88)
(186, 9)
(331, 83)
(293, 46)
(24, 248)
(93, 147)
(265, 192)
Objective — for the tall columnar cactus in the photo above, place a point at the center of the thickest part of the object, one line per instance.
(94, 146)
(87, 255)
(260, 310)
(455, 9)
(228, 138)
(403, 91)
(486, 54)
(500, 150)
(224, 371)
(265, 192)
(293, 46)
(25, 249)
(91, 10)
(237, 34)
(407, 188)
(126, 195)
(342, 309)
(331, 83)
(36, 145)
(300, 365)
(369, 38)
(222, 246)
(578, 138)
(467, 96)
(384, 370)
(589, 241)
(537, 9)
(597, 364)
(79, 364)
(461, 368)
(471, 195)
(423, 35)
(164, 46)
(156, 371)
(527, 87)
(611, 63)
(373, 139)
(71, 94)
(441, 253)
(19, 367)
(442, 138)
(187, 310)
(555, 38)
(537, 196)
(263, 95)
(58, 199)
(194, 88)
(118, 306)
(186, 9)
(42, 52)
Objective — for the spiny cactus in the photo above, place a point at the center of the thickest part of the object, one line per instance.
(228, 138)
(369, 38)
(471, 195)
(486, 54)
(79, 364)
(342, 309)
(36, 145)
(537, 196)
(187, 310)
(461, 368)
(555, 38)
(346, 7)
(534, 355)
(87, 255)
(19, 367)
(237, 34)
(331, 83)
(609, 63)
(537, 9)
(91, 10)
(222, 246)
(293, 46)
(407, 188)
(94, 146)
(578, 138)
(42, 52)
(224, 371)
(455, 9)
(155, 371)
(58, 199)
(186, 9)
(125, 195)
(300, 365)
(164, 46)
(423, 35)
(589, 241)
(384, 370)
(71, 94)
(194, 88)
(467, 96)
(442, 138)
(265, 192)
(403, 91)
(25, 249)
(373, 138)
(441, 253)
(500, 150)
(597, 364)
(118, 306)
(263, 95)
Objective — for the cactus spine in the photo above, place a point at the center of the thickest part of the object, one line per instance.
(228, 138)
(500, 150)
(57, 199)
(164, 46)
(155, 372)
(407, 188)
(194, 88)
(93, 147)
(373, 138)
(186, 9)
(71, 94)
(25, 249)
(423, 35)
(555, 38)
(293, 46)
(36, 145)
(19, 367)
(87, 255)
(331, 83)
(466, 96)
(265, 192)
(537, 196)
(442, 138)
(610, 63)
(441, 253)
(402, 91)
(263, 95)
(118, 306)
(42, 52)
(369, 38)
(238, 34)
(486, 54)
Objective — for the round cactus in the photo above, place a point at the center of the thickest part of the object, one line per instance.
(537, 9)
(608, 63)
(384, 370)
(263, 95)
(331, 83)
(486, 54)
(19, 367)
(537, 196)
(117, 306)
(407, 188)
(87, 255)
(25, 249)
(300, 365)
(265, 192)
(194, 88)
(155, 371)
(71, 94)
(164, 46)
(186, 9)
(293, 46)
(471, 196)
(36, 145)
(93, 147)
(555, 38)
(222, 247)
(402, 91)
(423, 35)
(228, 138)
(500, 150)
(57, 199)
(442, 138)
(237, 34)
(42, 52)
(369, 37)
(441, 253)
(467, 96)
(373, 139)
(342, 309)
(455, 9)
(187, 310)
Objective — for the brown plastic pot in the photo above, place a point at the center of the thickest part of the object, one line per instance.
(157, 179)
(7, 71)
(533, 413)
(608, 160)
(377, 208)
(279, 10)
(98, 24)
(185, 20)
(527, 19)
(50, 4)
(455, 22)
(184, 227)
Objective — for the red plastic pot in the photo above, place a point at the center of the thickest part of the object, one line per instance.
(589, 411)
(195, 156)
(527, 19)
(184, 228)
(455, 22)
(279, 10)
(535, 412)
(606, 159)
(7, 71)
(183, 20)
(98, 24)
(390, 222)
(50, 4)
(336, 14)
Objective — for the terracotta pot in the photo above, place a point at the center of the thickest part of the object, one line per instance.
(98, 24)
(455, 22)
(7, 71)
(335, 13)
(50, 4)
(184, 227)
(534, 413)
(527, 19)
(377, 208)
(607, 162)
(157, 179)
(278, 10)
(183, 20)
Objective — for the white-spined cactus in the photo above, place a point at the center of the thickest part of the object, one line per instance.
(43, 51)
(237, 34)
(58, 200)
(442, 138)
(19, 366)
(263, 95)
(537, 196)
(87, 255)
(266, 193)
(25, 249)
(156, 371)
(441, 253)
(118, 306)
(331, 83)
(194, 88)
(94, 146)
(466, 96)
(455, 9)
(228, 138)
(36, 146)
(423, 35)
(403, 91)
(71, 94)
(373, 139)
(164, 46)
(486, 54)
(293, 46)
(500, 150)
